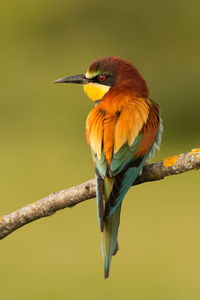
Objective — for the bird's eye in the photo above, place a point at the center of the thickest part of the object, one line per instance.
(101, 78)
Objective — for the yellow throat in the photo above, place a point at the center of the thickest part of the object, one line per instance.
(95, 91)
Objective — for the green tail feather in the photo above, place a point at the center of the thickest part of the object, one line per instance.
(110, 231)
(110, 243)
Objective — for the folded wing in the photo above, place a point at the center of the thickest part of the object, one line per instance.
(121, 142)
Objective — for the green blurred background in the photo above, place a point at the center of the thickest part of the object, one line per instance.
(43, 149)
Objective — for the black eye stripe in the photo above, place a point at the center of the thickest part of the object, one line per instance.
(106, 79)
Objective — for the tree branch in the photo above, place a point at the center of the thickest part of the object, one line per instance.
(47, 206)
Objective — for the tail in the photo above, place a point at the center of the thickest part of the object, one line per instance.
(110, 229)
(110, 193)
(109, 242)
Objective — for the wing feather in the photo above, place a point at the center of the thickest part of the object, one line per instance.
(131, 120)
(130, 158)
(94, 130)
(121, 142)
(149, 130)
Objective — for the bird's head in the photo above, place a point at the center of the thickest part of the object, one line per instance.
(109, 74)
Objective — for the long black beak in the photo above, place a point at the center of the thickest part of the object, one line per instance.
(73, 79)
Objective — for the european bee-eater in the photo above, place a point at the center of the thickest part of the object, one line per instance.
(122, 130)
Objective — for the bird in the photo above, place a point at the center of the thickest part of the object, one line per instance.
(123, 130)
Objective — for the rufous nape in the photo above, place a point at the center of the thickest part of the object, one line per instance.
(122, 130)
